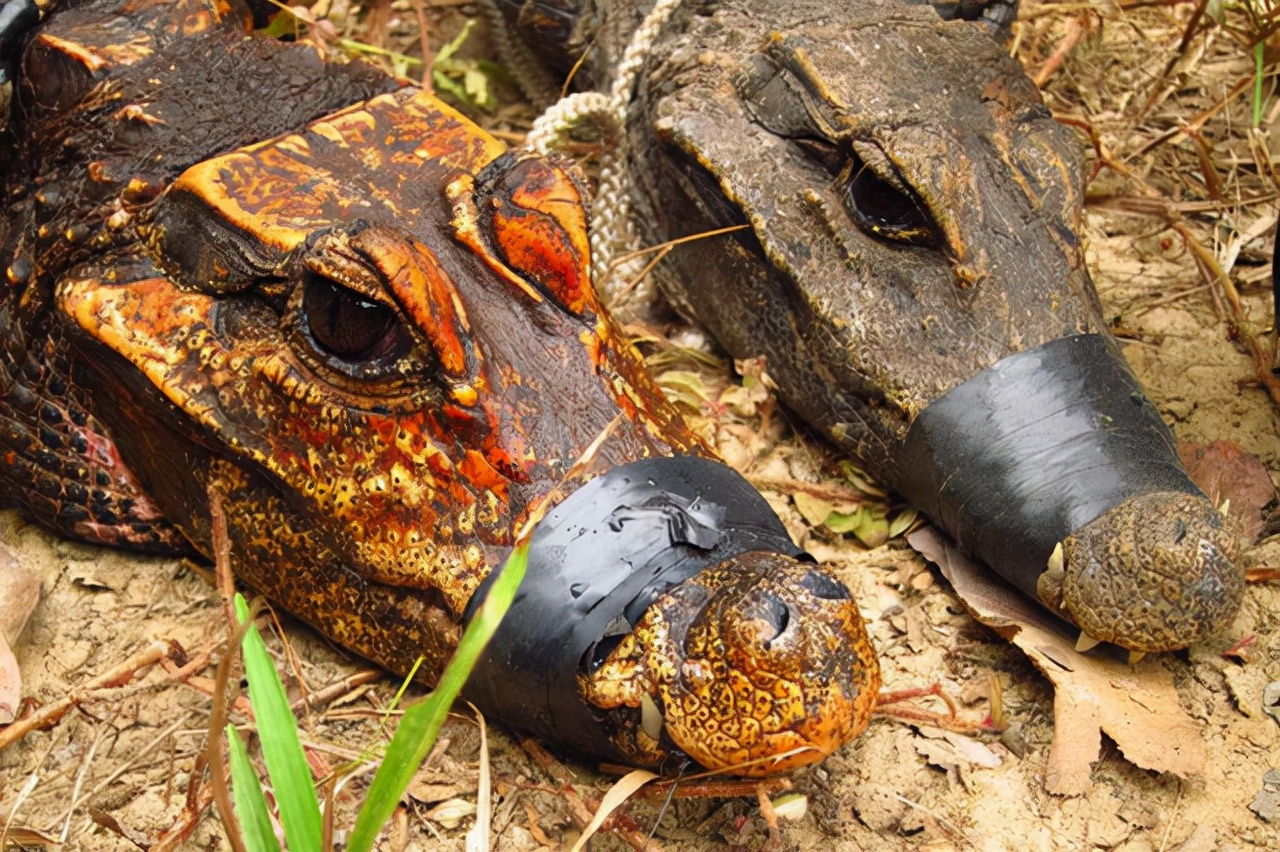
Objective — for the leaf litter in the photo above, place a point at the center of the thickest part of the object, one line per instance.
(1177, 238)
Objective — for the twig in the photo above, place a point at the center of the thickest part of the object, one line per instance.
(78, 784)
(425, 46)
(223, 577)
(327, 695)
(218, 782)
(152, 653)
(950, 721)
(198, 800)
(1195, 125)
(1081, 25)
(1187, 34)
(1241, 329)
(581, 809)
(826, 490)
(770, 818)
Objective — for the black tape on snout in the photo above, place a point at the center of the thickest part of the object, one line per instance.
(596, 562)
(1034, 448)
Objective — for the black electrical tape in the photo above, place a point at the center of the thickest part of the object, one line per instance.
(1032, 449)
(596, 562)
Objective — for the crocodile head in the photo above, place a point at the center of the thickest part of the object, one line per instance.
(372, 341)
(907, 210)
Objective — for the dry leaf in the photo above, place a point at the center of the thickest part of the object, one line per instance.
(27, 837)
(624, 788)
(791, 806)
(442, 779)
(429, 793)
(1225, 472)
(19, 594)
(937, 753)
(1271, 700)
(113, 825)
(972, 750)
(946, 750)
(479, 836)
(1137, 706)
(449, 814)
(10, 683)
(1267, 803)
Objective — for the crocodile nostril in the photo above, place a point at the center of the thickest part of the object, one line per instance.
(827, 588)
(776, 614)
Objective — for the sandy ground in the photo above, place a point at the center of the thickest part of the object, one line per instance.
(114, 773)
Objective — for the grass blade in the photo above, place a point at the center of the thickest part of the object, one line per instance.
(1259, 74)
(421, 723)
(295, 792)
(251, 804)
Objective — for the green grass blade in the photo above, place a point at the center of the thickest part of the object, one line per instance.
(251, 804)
(448, 50)
(290, 773)
(352, 46)
(1259, 73)
(421, 723)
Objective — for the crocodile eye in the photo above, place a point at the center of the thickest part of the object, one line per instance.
(883, 210)
(347, 326)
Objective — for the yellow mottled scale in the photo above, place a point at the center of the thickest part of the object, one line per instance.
(755, 691)
(390, 137)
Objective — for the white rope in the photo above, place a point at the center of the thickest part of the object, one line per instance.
(550, 128)
(613, 230)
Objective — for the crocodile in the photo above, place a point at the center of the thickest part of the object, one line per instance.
(900, 215)
(239, 271)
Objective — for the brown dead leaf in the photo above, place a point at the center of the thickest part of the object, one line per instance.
(947, 750)
(622, 790)
(19, 594)
(452, 812)
(10, 683)
(1225, 472)
(438, 784)
(1137, 706)
(27, 838)
(116, 827)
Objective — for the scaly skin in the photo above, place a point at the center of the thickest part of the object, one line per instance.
(911, 212)
(333, 301)
(739, 654)
(1151, 571)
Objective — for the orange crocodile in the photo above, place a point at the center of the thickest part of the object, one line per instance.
(235, 265)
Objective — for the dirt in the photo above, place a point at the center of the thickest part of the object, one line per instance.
(114, 773)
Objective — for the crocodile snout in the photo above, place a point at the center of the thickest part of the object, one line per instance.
(756, 665)
(1157, 572)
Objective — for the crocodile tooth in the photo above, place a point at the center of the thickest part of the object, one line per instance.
(1225, 508)
(1085, 642)
(1056, 559)
(1135, 657)
(650, 717)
